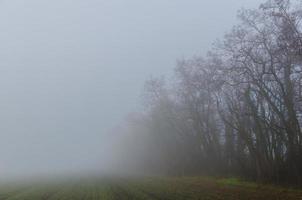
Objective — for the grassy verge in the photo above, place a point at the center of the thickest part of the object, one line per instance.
(185, 188)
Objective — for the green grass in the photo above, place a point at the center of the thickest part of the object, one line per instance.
(199, 188)
(237, 182)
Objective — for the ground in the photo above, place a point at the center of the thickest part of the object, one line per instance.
(201, 188)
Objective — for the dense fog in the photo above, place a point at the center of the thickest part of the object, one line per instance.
(72, 80)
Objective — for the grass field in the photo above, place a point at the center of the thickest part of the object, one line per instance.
(149, 188)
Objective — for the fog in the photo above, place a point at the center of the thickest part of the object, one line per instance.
(71, 71)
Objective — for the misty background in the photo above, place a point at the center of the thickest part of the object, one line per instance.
(71, 70)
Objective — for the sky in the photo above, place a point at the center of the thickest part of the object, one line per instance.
(70, 70)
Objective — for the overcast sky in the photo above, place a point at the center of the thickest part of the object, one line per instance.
(72, 69)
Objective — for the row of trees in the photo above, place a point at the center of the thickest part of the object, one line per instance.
(236, 111)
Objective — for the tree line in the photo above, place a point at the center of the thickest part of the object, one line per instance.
(236, 111)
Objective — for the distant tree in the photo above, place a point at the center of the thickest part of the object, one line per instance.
(238, 110)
